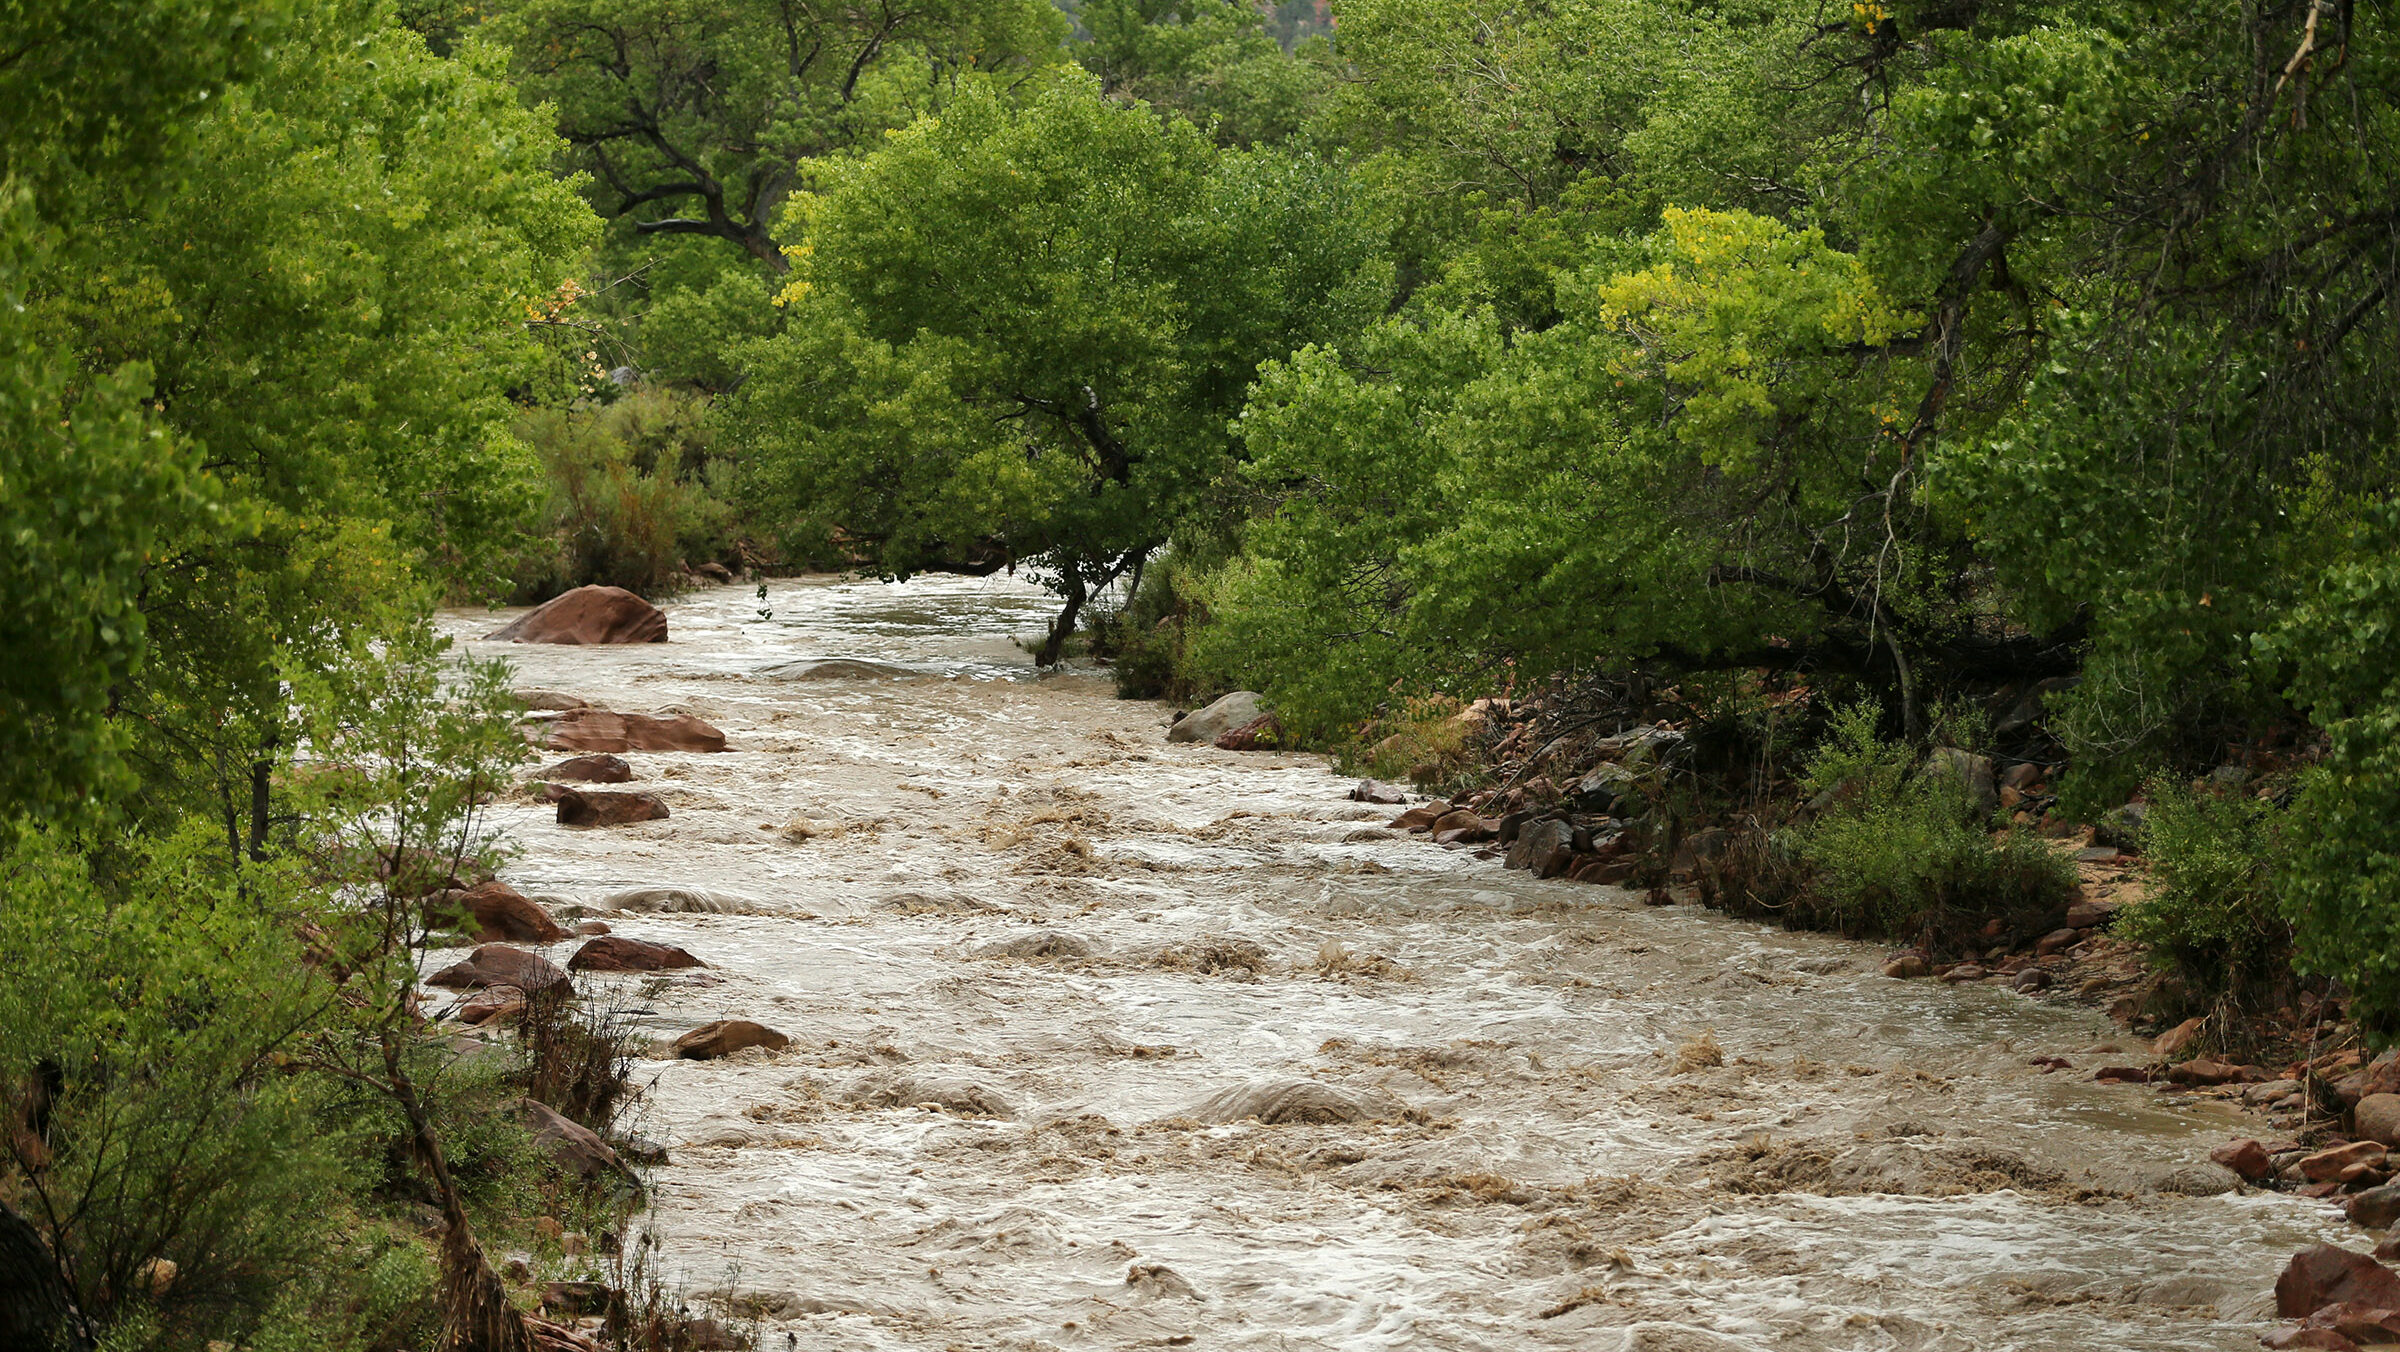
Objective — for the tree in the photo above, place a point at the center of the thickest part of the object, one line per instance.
(1211, 60)
(696, 119)
(1018, 334)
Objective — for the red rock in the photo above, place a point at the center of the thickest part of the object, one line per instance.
(600, 769)
(1457, 819)
(499, 965)
(1264, 733)
(496, 1005)
(500, 913)
(2324, 1275)
(2357, 1321)
(1421, 817)
(2378, 1208)
(2204, 1072)
(2175, 1039)
(603, 730)
(2245, 1157)
(591, 928)
(1964, 972)
(2090, 914)
(1907, 965)
(2122, 1074)
(587, 615)
(574, 1148)
(2317, 1192)
(2389, 1249)
(725, 1037)
(2029, 980)
(2365, 1174)
(2055, 941)
(2377, 1118)
(616, 953)
(609, 809)
(2327, 1164)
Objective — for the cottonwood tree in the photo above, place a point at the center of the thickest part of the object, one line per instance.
(1018, 334)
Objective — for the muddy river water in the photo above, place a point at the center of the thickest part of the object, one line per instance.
(1043, 973)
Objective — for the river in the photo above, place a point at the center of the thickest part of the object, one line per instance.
(1021, 943)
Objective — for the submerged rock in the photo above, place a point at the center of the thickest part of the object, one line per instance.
(587, 615)
(1047, 944)
(1277, 1102)
(576, 808)
(725, 1037)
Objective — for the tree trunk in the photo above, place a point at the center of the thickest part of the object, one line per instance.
(1063, 628)
(476, 1315)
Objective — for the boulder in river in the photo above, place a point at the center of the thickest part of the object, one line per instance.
(2376, 1208)
(2245, 1157)
(574, 1148)
(616, 953)
(1376, 791)
(499, 913)
(725, 1037)
(1276, 1102)
(609, 809)
(603, 730)
(1206, 726)
(499, 965)
(587, 615)
(595, 769)
(2323, 1275)
(672, 900)
(1544, 848)
(1043, 944)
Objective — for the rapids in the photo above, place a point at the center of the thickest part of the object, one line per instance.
(1019, 942)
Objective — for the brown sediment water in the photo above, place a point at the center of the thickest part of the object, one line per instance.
(1040, 969)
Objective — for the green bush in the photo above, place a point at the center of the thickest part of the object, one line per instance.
(2211, 916)
(1899, 848)
(634, 494)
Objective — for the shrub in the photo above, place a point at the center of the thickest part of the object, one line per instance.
(634, 493)
(1900, 849)
(2211, 916)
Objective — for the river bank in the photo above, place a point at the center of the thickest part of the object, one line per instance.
(1040, 969)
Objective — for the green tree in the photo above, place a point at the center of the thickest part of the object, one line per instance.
(1211, 60)
(1018, 334)
(697, 119)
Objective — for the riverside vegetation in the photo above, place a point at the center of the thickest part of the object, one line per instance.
(1943, 437)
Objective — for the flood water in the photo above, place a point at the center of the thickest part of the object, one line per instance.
(1030, 955)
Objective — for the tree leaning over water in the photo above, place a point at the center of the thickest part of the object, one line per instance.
(1018, 335)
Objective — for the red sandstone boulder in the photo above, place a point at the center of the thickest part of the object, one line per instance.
(616, 953)
(609, 809)
(587, 615)
(725, 1037)
(574, 1148)
(2245, 1157)
(499, 965)
(601, 730)
(2329, 1164)
(500, 913)
(590, 770)
(2324, 1275)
